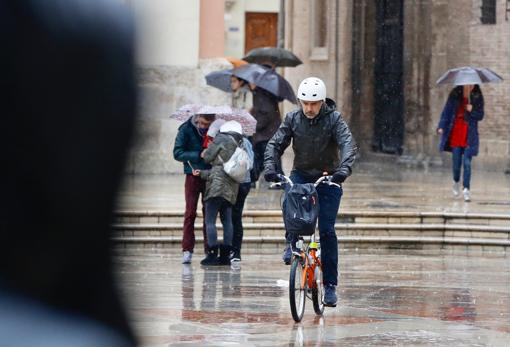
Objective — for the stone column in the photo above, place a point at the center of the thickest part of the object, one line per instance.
(212, 31)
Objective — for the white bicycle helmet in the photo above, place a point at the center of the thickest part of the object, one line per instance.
(312, 89)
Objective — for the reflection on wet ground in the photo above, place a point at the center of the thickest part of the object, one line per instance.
(386, 299)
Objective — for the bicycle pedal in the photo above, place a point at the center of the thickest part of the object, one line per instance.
(329, 305)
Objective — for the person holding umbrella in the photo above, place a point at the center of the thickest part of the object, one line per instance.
(268, 91)
(458, 125)
(188, 149)
(241, 93)
(458, 128)
(267, 113)
(220, 192)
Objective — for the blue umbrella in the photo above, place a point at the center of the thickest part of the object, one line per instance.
(220, 79)
(261, 76)
(250, 72)
(469, 75)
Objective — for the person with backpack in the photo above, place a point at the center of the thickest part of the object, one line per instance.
(221, 190)
(237, 210)
(323, 145)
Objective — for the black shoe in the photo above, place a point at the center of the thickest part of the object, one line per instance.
(330, 298)
(211, 258)
(224, 258)
(287, 255)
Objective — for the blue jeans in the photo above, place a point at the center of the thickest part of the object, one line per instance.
(459, 158)
(329, 203)
(212, 207)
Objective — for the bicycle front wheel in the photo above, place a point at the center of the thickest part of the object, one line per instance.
(297, 293)
(318, 292)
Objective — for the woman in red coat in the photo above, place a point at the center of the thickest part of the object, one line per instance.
(458, 128)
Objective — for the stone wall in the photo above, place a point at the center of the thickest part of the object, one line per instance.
(490, 47)
(163, 89)
(439, 35)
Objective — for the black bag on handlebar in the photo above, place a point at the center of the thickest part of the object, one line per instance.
(301, 209)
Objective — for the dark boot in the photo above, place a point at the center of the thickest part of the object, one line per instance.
(224, 258)
(212, 257)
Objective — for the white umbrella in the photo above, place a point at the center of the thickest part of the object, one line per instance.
(469, 75)
(224, 112)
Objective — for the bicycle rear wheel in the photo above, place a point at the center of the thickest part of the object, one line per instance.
(318, 292)
(297, 294)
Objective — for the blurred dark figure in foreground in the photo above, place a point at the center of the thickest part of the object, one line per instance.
(68, 101)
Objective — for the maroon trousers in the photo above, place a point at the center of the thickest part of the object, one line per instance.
(193, 187)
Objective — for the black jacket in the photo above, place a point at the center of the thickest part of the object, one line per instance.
(324, 143)
(188, 146)
(266, 112)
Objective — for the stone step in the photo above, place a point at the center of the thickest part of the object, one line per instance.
(379, 217)
(275, 245)
(348, 232)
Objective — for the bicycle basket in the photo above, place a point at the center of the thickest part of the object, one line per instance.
(301, 209)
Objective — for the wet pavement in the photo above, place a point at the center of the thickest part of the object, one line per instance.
(386, 299)
(373, 187)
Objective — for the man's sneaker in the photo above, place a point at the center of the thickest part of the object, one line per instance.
(287, 255)
(467, 195)
(456, 189)
(330, 295)
(235, 263)
(186, 257)
(235, 256)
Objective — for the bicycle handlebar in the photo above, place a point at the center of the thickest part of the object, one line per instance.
(287, 180)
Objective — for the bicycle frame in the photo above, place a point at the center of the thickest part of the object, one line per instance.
(307, 260)
(311, 261)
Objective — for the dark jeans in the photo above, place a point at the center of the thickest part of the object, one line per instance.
(459, 158)
(212, 207)
(237, 217)
(258, 160)
(193, 187)
(329, 202)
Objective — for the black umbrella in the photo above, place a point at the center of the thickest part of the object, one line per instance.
(267, 79)
(276, 85)
(274, 55)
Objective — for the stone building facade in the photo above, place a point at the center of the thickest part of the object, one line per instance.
(380, 60)
(178, 43)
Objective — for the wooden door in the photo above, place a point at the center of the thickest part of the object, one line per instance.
(260, 30)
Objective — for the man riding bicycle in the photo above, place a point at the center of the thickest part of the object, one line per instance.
(323, 145)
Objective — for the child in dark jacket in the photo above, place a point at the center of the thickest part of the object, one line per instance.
(220, 192)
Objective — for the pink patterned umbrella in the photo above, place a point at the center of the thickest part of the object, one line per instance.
(223, 112)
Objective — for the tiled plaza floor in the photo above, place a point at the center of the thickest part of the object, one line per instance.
(390, 299)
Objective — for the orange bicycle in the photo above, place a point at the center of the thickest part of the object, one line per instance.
(306, 267)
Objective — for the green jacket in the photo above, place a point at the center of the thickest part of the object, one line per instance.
(218, 183)
(188, 146)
